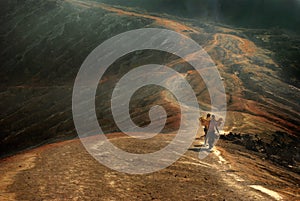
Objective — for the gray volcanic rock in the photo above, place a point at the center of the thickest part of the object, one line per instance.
(45, 42)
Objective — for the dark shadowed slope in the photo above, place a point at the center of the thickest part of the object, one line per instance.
(43, 44)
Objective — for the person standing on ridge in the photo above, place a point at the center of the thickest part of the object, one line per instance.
(211, 134)
(205, 122)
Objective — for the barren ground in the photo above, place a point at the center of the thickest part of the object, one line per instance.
(65, 171)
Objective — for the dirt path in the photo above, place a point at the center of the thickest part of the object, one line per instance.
(170, 24)
(65, 171)
(245, 46)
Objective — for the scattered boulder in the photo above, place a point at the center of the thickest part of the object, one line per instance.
(283, 149)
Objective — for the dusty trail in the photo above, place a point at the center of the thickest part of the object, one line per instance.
(245, 46)
(170, 24)
(66, 171)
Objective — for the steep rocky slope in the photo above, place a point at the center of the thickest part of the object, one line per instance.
(43, 44)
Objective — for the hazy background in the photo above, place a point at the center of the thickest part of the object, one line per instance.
(284, 14)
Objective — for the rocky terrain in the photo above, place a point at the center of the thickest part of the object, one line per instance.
(43, 44)
(282, 149)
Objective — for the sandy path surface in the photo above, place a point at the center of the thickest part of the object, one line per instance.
(65, 171)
